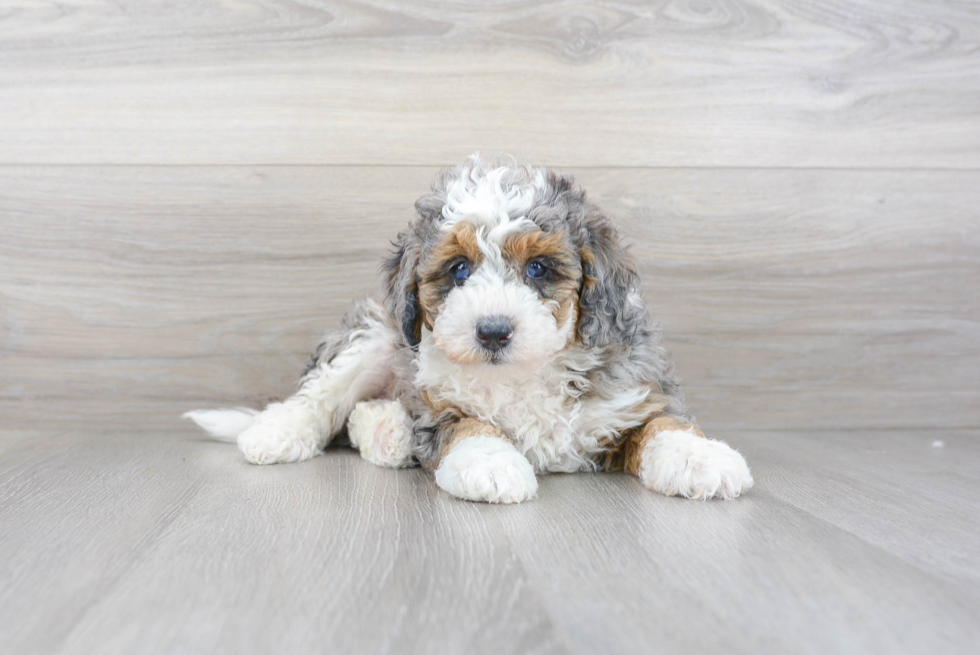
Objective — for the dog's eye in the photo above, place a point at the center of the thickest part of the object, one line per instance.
(536, 270)
(460, 271)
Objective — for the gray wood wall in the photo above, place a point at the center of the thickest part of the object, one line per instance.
(191, 191)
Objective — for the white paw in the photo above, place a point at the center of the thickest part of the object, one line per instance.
(283, 432)
(487, 469)
(682, 463)
(382, 431)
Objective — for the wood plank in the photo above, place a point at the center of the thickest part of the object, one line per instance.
(167, 543)
(150, 543)
(809, 299)
(900, 490)
(756, 575)
(738, 83)
(76, 511)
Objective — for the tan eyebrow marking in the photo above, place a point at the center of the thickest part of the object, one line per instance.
(434, 283)
(521, 248)
(561, 292)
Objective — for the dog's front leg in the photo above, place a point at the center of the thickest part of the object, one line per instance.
(672, 456)
(478, 462)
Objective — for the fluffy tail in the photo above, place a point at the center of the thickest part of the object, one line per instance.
(223, 424)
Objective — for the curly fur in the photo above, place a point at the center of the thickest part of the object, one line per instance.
(580, 369)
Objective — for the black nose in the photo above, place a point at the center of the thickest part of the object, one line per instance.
(494, 333)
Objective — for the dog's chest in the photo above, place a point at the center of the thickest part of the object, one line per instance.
(546, 421)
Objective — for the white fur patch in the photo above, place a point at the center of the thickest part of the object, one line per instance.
(223, 424)
(682, 463)
(538, 408)
(487, 469)
(284, 432)
(300, 427)
(382, 431)
(478, 195)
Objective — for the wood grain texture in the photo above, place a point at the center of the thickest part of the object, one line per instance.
(164, 543)
(668, 83)
(191, 191)
(937, 503)
(809, 299)
(150, 544)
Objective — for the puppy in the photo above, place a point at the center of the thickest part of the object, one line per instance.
(513, 341)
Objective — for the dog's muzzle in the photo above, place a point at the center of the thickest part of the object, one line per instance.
(494, 333)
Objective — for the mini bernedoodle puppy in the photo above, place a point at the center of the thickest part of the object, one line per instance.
(513, 341)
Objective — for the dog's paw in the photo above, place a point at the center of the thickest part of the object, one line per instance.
(280, 434)
(682, 463)
(487, 469)
(382, 431)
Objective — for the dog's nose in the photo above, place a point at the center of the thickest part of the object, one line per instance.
(494, 333)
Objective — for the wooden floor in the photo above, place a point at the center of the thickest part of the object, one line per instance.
(191, 191)
(165, 543)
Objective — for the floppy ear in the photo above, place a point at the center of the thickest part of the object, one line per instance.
(402, 288)
(401, 269)
(607, 313)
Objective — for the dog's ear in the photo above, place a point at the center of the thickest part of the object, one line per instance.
(401, 269)
(609, 308)
(402, 287)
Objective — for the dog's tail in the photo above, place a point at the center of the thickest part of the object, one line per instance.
(223, 424)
